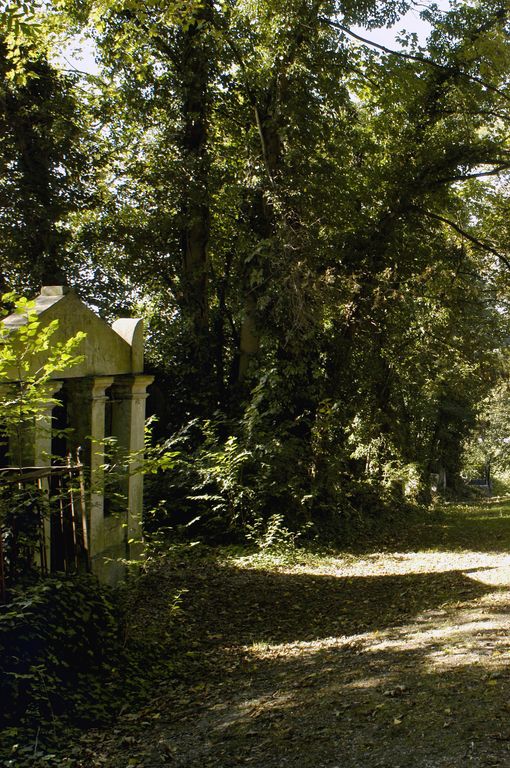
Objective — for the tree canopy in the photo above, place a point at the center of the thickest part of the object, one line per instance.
(314, 227)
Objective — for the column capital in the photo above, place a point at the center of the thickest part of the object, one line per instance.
(51, 389)
(53, 386)
(93, 387)
(126, 387)
(99, 386)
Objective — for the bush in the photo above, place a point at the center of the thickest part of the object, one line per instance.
(60, 652)
(222, 481)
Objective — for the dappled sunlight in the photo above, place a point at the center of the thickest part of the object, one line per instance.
(477, 632)
(467, 641)
(304, 648)
(365, 683)
(449, 636)
(231, 715)
(456, 630)
(496, 576)
(321, 661)
(493, 514)
(402, 563)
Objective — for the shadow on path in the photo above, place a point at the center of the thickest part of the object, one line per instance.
(267, 606)
(309, 670)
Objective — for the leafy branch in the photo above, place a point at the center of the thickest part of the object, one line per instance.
(471, 238)
(447, 69)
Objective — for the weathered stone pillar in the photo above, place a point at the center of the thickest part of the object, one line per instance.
(128, 427)
(87, 399)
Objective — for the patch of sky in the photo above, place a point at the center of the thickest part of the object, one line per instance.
(411, 23)
(78, 55)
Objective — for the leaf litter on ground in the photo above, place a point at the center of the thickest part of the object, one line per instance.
(394, 657)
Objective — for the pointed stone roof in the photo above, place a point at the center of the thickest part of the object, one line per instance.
(107, 350)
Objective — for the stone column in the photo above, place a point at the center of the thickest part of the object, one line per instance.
(129, 393)
(87, 398)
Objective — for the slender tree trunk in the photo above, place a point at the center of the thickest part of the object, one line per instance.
(195, 208)
(250, 335)
(262, 222)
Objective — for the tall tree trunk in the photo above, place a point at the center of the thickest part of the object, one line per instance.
(262, 220)
(269, 112)
(195, 208)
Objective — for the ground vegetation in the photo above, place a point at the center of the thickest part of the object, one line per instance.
(396, 646)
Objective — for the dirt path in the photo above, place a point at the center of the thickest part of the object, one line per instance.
(394, 659)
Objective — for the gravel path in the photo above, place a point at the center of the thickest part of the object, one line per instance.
(391, 659)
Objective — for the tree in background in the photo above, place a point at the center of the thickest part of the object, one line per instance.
(487, 448)
(44, 173)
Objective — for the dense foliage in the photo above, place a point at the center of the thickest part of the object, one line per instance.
(52, 636)
(313, 226)
(75, 654)
(61, 653)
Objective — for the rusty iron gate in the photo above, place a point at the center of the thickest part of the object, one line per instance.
(56, 496)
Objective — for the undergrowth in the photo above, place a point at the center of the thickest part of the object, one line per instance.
(69, 660)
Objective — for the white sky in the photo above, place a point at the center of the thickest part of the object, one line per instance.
(411, 22)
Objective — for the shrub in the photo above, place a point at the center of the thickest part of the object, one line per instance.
(60, 652)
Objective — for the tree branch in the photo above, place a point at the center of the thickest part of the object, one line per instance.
(414, 57)
(479, 243)
(467, 176)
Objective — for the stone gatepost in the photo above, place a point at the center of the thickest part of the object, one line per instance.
(128, 425)
(104, 396)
